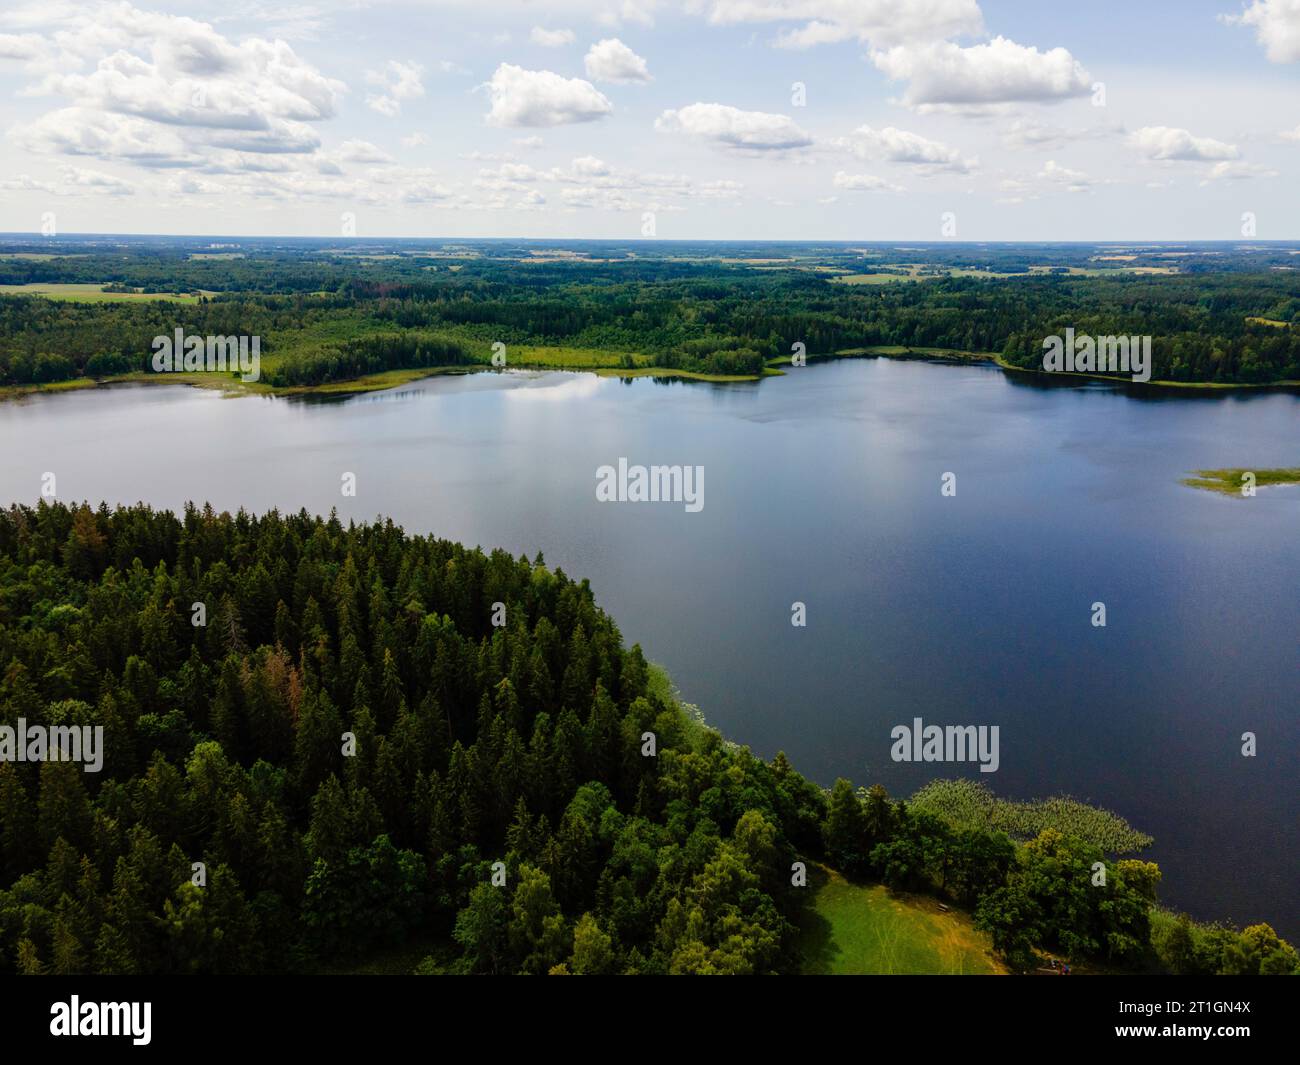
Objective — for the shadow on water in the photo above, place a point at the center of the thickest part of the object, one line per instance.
(1140, 390)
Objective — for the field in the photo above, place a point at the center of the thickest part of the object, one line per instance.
(924, 272)
(89, 293)
(862, 929)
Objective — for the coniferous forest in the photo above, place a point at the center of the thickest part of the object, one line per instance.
(321, 742)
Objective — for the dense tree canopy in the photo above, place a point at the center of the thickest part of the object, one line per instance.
(349, 754)
(1225, 316)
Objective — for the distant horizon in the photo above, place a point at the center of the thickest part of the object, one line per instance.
(1240, 242)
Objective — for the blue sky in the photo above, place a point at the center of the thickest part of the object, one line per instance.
(1009, 120)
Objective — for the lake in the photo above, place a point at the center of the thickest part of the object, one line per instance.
(823, 487)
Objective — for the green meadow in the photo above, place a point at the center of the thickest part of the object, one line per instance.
(860, 929)
(90, 293)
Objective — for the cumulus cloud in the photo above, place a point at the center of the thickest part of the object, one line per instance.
(411, 185)
(192, 76)
(1063, 177)
(612, 60)
(1277, 27)
(1166, 142)
(542, 98)
(863, 183)
(879, 22)
(591, 182)
(1237, 171)
(85, 131)
(359, 151)
(508, 176)
(95, 181)
(22, 46)
(946, 76)
(396, 82)
(165, 90)
(899, 146)
(640, 12)
(551, 38)
(26, 183)
(731, 127)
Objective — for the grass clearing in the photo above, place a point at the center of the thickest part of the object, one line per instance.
(861, 929)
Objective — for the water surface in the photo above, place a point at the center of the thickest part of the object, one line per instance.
(823, 487)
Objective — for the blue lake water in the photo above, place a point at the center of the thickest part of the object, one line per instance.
(823, 487)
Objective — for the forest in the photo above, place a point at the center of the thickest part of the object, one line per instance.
(365, 738)
(1216, 316)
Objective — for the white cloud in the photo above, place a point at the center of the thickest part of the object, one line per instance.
(899, 146)
(1026, 134)
(880, 22)
(508, 176)
(551, 38)
(1277, 27)
(184, 185)
(946, 76)
(1165, 142)
(414, 140)
(165, 91)
(95, 181)
(228, 162)
(542, 98)
(397, 81)
(863, 183)
(358, 151)
(529, 143)
(612, 60)
(1237, 171)
(640, 12)
(189, 75)
(1070, 180)
(720, 190)
(732, 128)
(84, 131)
(590, 166)
(411, 185)
(24, 46)
(26, 183)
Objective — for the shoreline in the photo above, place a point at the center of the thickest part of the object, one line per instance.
(773, 368)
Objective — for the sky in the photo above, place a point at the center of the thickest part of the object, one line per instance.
(998, 120)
